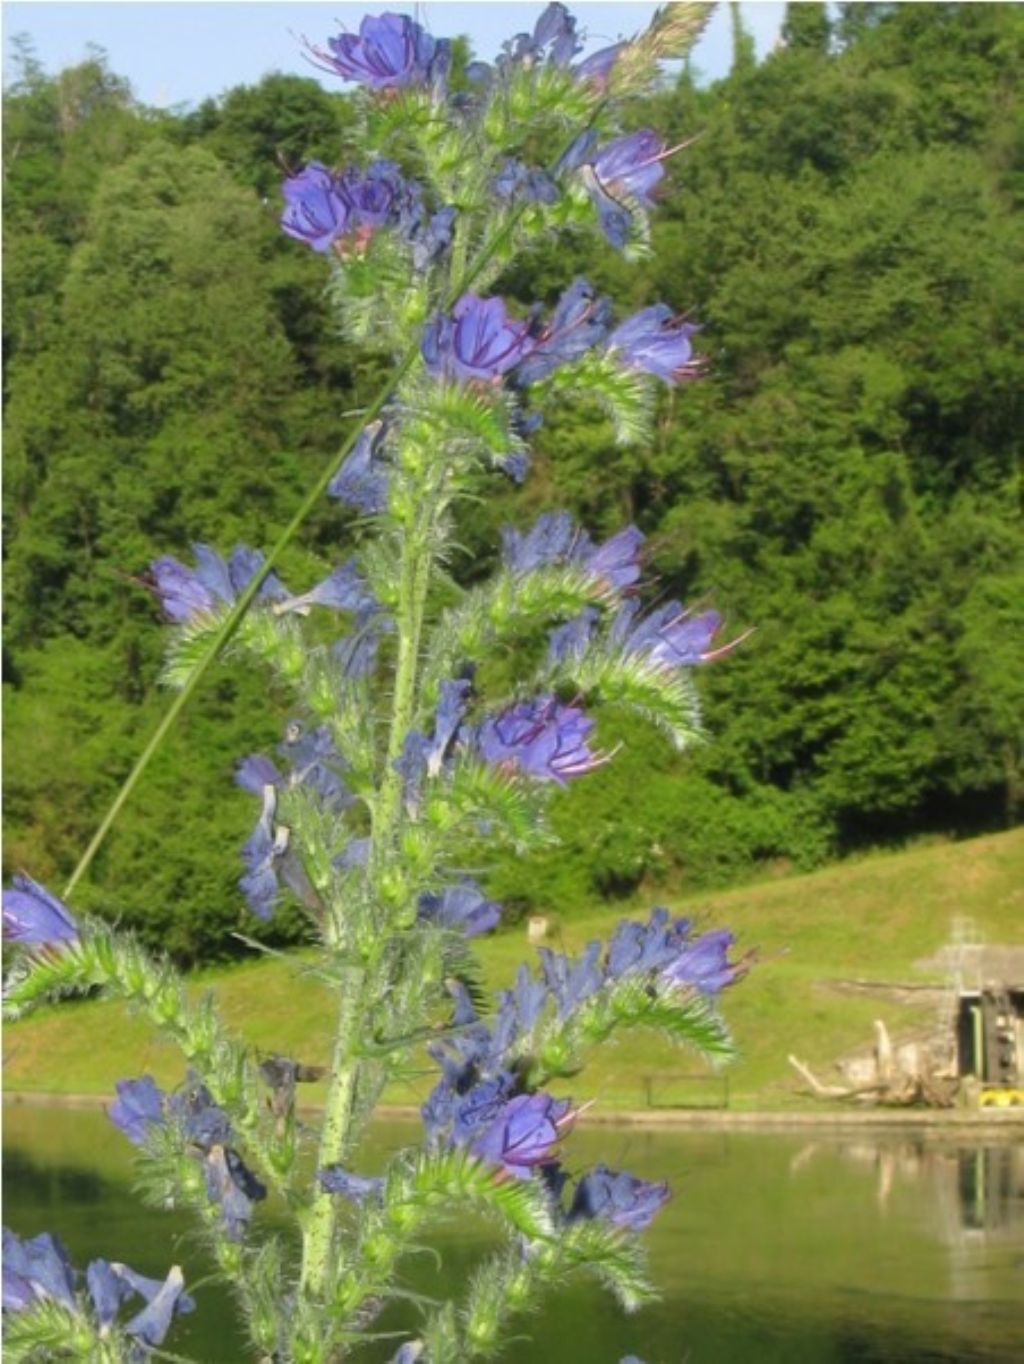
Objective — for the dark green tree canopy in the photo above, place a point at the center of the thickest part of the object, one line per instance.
(846, 478)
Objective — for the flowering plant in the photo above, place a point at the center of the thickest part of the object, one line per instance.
(405, 766)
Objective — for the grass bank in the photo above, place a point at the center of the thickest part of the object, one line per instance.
(871, 919)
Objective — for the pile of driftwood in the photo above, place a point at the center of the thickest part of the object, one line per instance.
(889, 1076)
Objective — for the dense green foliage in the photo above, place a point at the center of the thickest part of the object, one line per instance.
(846, 478)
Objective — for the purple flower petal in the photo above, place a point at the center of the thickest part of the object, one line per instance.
(31, 914)
(656, 342)
(318, 209)
(138, 1107)
(524, 1134)
(704, 963)
(619, 1198)
(36, 1270)
(479, 342)
(544, 739)
(463, 907)
(391, 51)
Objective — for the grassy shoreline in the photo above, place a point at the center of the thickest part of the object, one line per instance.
(876, 919)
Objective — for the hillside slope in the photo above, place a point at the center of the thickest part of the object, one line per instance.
(871, 919)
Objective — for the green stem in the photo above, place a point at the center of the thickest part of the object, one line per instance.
(336, 1137)
(233, 620)
(234, 617)
(318, 1237)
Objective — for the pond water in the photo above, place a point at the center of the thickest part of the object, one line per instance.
(808, 1247)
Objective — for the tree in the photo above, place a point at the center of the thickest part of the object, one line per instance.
(807, 27)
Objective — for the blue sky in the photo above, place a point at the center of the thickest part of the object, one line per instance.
(180, 53)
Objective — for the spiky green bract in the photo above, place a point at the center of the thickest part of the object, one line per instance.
(50, 1331)
(671, 35)
(516, 1280)
(684, 1017)
(665, 697)
(422, 1186)
(457, 425)
(274, 640)
(168, 1175)
(545, 99)
(371, 296)
(614, 1257)
(498, 613)
(117, 965)
(418, 131)
(264, 1273)
(626, 396)
(494, 804)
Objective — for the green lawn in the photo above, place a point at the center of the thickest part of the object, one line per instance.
(872, 918)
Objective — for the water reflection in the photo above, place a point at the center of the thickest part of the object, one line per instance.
(776, 1248)
(976, 1187)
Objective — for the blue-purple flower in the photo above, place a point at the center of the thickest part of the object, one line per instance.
(463, 907)
(554, 36)
(637, 948)
(665, 947)
(202, 1122)
(568, 643)
(141, 1105)
(344, 589)
(704, 964)
(554, 539)
(189, 593)
(138, 1108)
(518, 183)
(31, 914)
(422, 756)
(314, 762)
(597, 68)
(344, 211)
(390, 52)
(525, 1133)
(362, 480)
(657, 342)
(671, 636)
(261, 852)
(255, 772)
(620, 177)
(553, 42)
(356, 1188)
(318, 210)
(111, 1285)
(619, 1198)
(631, 166)
(478, 342)
(617, 561)
(375, 196)
(571, 982)
(231, 1186)
(579, 322)
(39, 1270)
(34, 1271)
(430, 237)
(550, 540)
(543, 739)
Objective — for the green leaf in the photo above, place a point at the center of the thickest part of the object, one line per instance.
(447, 1180)
(616, 1258)
(50, 1331)
(625, 395)
(665, 697)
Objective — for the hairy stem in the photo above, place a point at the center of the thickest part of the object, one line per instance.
(337, 1135)
(318, 1238)
(461, 279)
(234, 617)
